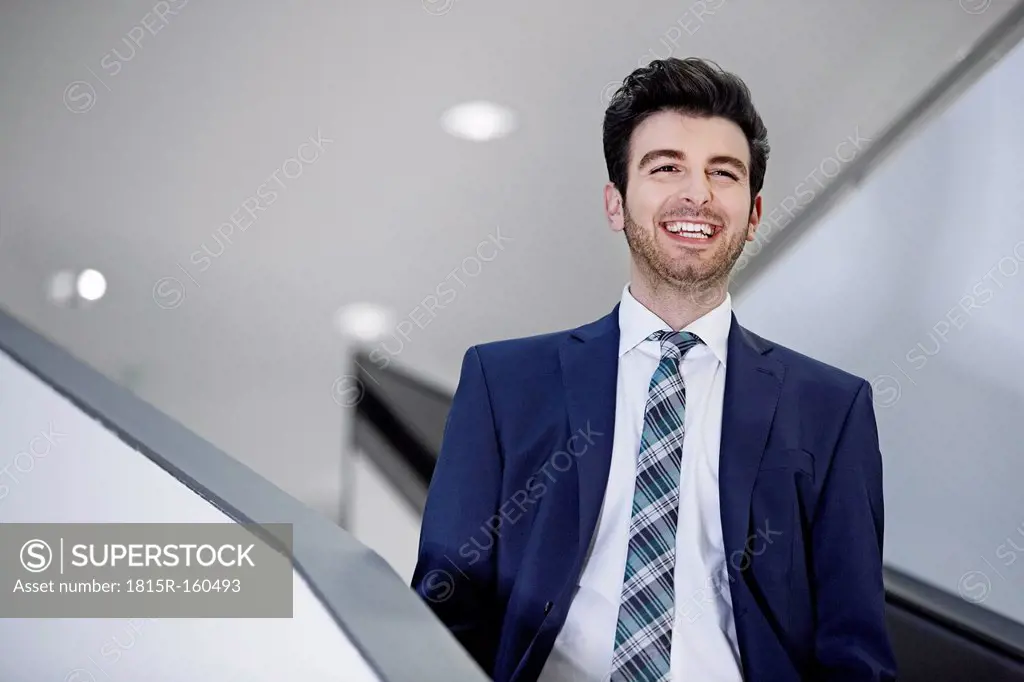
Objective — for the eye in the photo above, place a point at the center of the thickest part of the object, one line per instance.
(728, 174)
(660, 168)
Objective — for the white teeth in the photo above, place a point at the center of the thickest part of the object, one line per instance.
(694, 230)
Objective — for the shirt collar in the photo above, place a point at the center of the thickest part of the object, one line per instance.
(636, 323)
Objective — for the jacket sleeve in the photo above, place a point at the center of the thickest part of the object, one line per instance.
(456, 569)
(851, 641)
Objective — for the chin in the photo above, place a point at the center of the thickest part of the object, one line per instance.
(690, 275)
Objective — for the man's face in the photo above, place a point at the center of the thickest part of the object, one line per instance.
(687, 210)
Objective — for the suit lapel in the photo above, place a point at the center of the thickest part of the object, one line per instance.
(752, 385)
(590, 363)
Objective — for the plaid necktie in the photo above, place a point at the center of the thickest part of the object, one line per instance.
(643, 635)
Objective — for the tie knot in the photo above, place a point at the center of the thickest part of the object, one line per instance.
(675, 344)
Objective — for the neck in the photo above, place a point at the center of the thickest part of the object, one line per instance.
(677, 303)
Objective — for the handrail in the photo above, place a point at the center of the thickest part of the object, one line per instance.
(971, 621)
(402, 441)
(354, 584)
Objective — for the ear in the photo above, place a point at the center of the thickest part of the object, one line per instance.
(613, 207)
(755, 218)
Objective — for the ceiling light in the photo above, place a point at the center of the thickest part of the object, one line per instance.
(92, 285)
(478, 121)
(365, 322)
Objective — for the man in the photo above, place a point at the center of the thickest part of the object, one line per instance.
(662, 494)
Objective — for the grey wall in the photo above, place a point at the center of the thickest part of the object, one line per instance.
(916, 282)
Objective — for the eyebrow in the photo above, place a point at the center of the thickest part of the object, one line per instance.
(721, 159)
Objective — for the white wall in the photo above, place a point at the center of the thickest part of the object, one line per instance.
(83, 473)
(883, 287)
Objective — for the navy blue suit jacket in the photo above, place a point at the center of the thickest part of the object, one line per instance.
(514, 503)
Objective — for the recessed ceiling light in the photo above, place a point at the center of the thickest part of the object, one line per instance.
(365, 322)
(478, 121)
(92, 285)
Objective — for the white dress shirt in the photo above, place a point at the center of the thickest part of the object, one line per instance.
(704, 634)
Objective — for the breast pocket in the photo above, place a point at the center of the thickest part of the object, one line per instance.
(788, 459)
(775, 514)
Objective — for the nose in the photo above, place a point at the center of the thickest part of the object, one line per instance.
(694, 189)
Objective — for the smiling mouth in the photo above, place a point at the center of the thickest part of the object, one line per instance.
(690, 231)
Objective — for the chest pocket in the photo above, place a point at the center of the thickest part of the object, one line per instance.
(785, 477)
(788, 459)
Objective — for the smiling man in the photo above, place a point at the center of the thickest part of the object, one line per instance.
(662, 495)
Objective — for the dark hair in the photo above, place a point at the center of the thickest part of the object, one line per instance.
(692, 86)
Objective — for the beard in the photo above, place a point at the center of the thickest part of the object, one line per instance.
(681, 270)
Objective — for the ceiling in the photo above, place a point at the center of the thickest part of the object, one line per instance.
(218, 96)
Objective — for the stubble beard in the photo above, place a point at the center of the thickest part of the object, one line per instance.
(682, 273)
